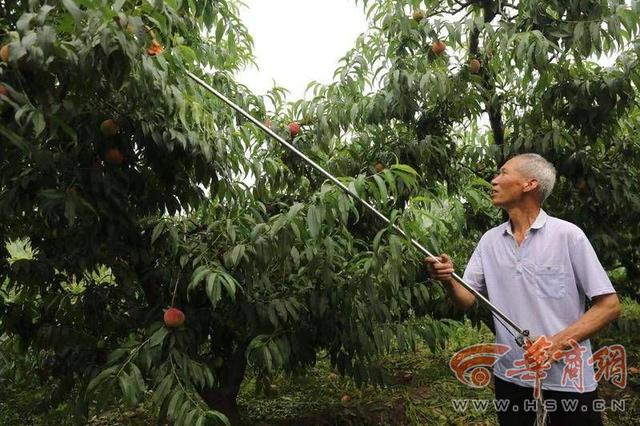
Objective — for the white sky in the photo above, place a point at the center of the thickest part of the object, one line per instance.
(298, 41)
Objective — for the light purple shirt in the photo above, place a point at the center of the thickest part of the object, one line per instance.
(541, 285)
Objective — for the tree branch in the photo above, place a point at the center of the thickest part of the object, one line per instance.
(494, 109)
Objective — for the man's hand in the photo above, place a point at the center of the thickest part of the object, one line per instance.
(442, 268)
(544, 351)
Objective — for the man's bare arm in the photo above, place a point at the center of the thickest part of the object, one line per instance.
(605, 308)
(442, 272)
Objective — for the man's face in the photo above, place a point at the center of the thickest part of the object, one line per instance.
(509, 185)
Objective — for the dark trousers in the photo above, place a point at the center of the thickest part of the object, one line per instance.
(567, 413)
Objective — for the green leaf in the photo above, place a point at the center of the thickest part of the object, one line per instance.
(280, 309)
(70, 210)
(65, 128)
(273, 317)
(136, 374)
(231, 230)
(15, 139)
(236, 254)
(43, 13)
(103, 376)
(75, 11)
(182, 412)
(213, 289)
(388, 176)
(294, 210)
(279, 222)
(314, 221)
(24, 22)
(127, 388)
(377, 238)
(188, 54)
(628, 19)
(199, 274)
(230, 284)
(382, 188)
(352, 188)
(157, 230)
(158, 337)
(594, 30)
(395, 244)
(404, 168)
(219, 417)
(292, 311)
(231, 41)
(163, 389)
(220, 30)
(190, 417)
(175, 400)
(38, 123)
(267, 358)
(117, 5)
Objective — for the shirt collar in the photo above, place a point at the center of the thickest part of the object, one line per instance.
(537, 224)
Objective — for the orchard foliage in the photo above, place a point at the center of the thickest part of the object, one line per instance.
(271, 264)
(93, 291)
(560, 78)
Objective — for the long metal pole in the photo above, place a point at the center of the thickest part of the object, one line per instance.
(372, 209)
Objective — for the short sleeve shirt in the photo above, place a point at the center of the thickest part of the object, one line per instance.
(541, 285)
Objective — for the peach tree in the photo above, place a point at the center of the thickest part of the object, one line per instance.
(102, 135)
(453, 88)
(136, 257)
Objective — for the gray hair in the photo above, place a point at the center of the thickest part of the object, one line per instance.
(537, 167)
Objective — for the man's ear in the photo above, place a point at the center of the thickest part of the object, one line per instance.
(530, 185)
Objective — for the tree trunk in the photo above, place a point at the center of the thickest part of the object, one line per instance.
(224, 399)
(493, 108)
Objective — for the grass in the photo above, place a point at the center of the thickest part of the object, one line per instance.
(419, 390)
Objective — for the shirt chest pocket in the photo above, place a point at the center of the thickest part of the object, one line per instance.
(550, 281)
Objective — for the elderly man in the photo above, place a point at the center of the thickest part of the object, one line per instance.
(538, 270)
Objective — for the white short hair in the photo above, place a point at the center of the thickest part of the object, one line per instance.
(537, 167)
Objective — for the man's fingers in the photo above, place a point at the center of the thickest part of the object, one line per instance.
(541, 343)
(443, 258)
(539, 353)
(556, 355)
(441, 275)
(443, 278)
(440, 267)
(536, 358)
